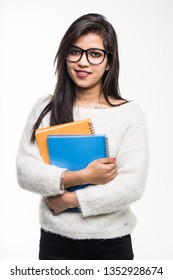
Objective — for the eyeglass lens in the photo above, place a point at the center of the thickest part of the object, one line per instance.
(94, 56)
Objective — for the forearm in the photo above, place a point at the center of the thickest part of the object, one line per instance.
(74, 178)
(109, 198)
(128, 185)
(37, 177)
(98, 171)
(32, 173)
(60, 203)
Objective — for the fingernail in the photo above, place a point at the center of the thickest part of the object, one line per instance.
(113, 159)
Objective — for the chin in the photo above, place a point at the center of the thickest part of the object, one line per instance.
(83, 85)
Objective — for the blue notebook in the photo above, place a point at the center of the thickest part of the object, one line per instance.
(75, 152)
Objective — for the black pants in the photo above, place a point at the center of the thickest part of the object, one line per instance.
(56, 247)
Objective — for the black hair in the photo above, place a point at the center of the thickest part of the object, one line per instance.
(63, 98)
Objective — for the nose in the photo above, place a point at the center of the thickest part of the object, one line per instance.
(83, 62)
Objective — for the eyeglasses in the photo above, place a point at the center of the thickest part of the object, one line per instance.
(93, 55)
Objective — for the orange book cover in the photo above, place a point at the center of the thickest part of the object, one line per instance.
(78, 127)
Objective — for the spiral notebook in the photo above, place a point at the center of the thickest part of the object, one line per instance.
(77, 127)
(75, 152)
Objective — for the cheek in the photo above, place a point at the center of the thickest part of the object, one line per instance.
(102, 68)
(100, 72)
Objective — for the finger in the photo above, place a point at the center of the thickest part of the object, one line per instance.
(113, 173)
(112, 176)
(106, 160)
(111, 167)
(115, 170)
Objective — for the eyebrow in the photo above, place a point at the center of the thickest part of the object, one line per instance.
(87, 49)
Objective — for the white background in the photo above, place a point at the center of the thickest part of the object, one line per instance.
(30, 32)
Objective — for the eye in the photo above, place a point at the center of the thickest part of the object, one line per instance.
(95, 54)
(75, 51)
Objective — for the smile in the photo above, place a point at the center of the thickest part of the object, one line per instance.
(81, 73)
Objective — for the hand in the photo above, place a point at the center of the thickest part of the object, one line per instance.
(59, 203)
(101, 171)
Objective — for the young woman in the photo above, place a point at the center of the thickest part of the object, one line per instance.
(87, 87)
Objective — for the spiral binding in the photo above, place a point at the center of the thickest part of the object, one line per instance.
(91, 128)
(106, 147)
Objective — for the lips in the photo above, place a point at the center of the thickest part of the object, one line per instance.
(83, 73)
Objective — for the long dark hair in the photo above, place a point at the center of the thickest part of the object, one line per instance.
(61, 103)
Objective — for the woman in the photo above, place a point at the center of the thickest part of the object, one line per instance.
(87, 87)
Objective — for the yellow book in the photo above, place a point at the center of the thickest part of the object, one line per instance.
(81, 127)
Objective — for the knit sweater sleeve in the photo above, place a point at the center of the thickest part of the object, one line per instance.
(128, 185)
(32, 173)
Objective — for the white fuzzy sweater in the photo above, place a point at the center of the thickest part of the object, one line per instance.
(105, 209)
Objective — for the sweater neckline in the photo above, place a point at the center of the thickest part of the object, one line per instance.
(97, 108)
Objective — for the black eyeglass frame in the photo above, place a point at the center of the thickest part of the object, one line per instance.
(86, 51)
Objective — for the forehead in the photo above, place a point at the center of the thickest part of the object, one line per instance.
(90, 40)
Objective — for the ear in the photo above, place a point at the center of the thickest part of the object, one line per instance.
(107, 67)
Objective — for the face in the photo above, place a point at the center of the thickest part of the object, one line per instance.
(84, 74)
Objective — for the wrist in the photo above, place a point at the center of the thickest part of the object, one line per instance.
(85, 176)
(62, 187)
(74, 178)
(72, 199)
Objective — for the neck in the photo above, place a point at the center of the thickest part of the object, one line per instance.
(88, 96)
